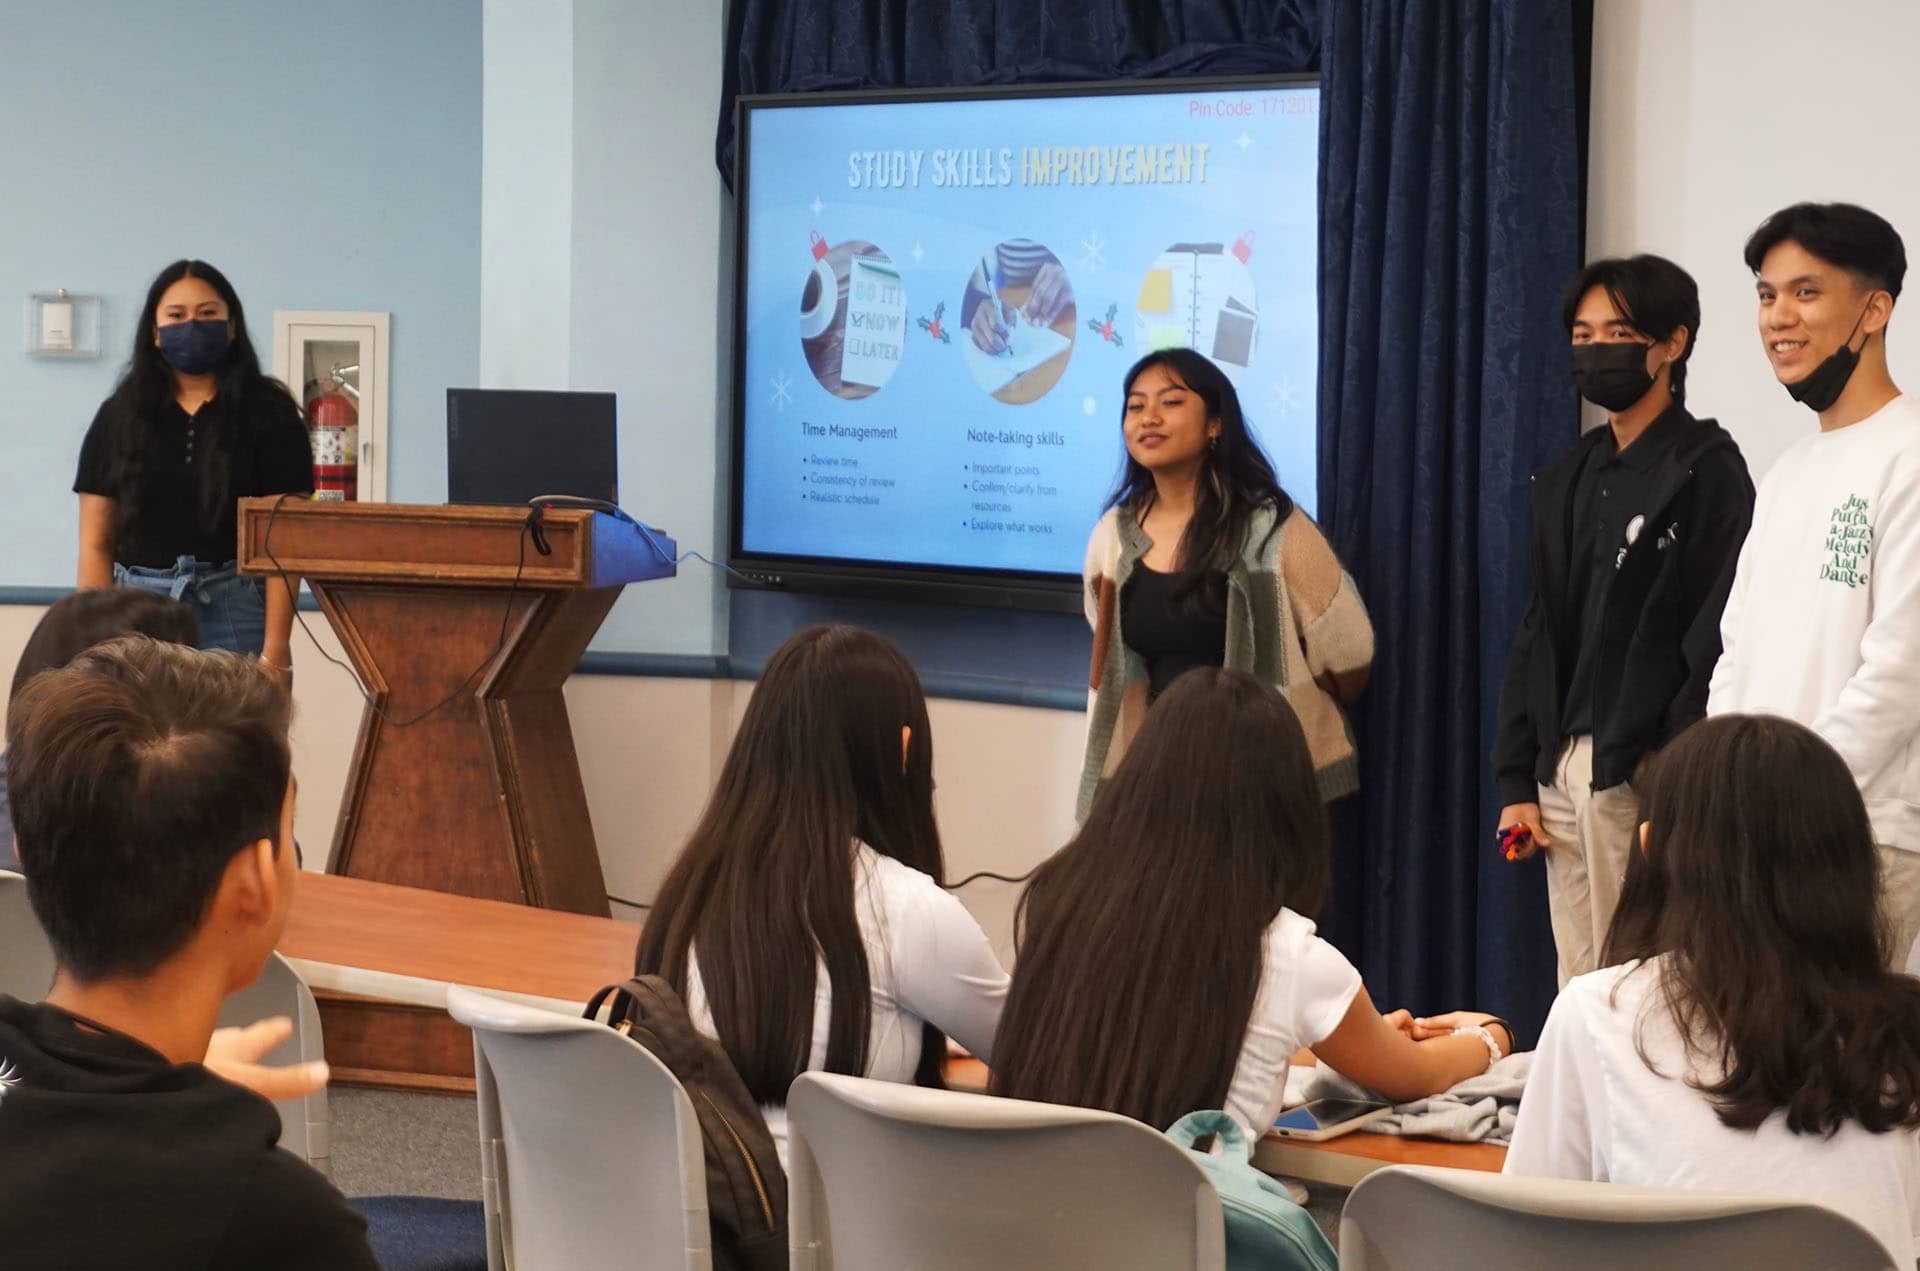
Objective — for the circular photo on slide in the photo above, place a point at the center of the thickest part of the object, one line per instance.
(1017, 321)
(853, 318)
(1199, 296)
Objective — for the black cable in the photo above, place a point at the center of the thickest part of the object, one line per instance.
(987, 873)
(631, 904)
(500, 644)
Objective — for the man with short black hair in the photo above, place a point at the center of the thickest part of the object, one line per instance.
(1823, 626)
(153, 807)
(1635, 535)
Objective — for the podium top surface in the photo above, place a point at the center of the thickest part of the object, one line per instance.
(442, 545)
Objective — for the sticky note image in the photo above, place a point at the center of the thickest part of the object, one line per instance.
(1156, 292)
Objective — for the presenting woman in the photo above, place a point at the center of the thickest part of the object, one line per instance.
(192, 427)
(1203, 560)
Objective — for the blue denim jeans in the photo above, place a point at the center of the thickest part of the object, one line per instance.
(231, 610)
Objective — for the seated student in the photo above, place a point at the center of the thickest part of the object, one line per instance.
(1167, 958)
(1745, 1035)
(153, 804)
(79, 622)
(804, 922)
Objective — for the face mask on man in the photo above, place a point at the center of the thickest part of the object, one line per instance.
(195, 347)
(1821, 387)
(1611, 376)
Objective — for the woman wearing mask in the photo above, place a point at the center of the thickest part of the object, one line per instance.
(192, 427)
(1203, 560)
(1745, 1034)
(1167, 955)
(804, 923)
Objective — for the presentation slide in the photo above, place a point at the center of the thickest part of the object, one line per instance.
(942, 298)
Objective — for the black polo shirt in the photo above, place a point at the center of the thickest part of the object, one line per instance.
(268, 453)
(1609, 508)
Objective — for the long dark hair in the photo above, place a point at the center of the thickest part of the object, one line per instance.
(1236, 478)
(1141, 942)
(1760, 885)
(148, 384)
(765, 885)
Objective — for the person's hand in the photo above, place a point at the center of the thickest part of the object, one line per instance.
(235, 1053)
(1402, 1020)
(1050, 297)
(989, 331)
(1443, 1025)
(1527, 814)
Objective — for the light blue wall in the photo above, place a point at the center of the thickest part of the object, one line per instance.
(325, 155)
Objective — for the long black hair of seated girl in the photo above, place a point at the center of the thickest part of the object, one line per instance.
(1235, 480)
(1759, 890)
(148, 384)
(764, 890)
(1141, 942)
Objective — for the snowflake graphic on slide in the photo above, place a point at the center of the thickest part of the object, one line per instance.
(1093, 251)
(1286, 400)
(782, 391)
(10, 1078)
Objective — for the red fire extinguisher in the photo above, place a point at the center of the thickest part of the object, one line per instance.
(335, 427)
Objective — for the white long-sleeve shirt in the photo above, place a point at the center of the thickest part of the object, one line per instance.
(1823, 625)
(927, 960)
(1607, 1101)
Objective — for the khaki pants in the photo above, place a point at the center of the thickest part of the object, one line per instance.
(1591, 834)
(1900, 902)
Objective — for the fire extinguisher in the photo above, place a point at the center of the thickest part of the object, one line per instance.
(335, 427)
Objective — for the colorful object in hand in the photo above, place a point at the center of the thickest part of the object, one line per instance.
(1514, 837)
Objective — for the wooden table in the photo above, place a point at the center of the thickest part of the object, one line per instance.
(379, 957)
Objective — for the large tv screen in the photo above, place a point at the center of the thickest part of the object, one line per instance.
(938, 297)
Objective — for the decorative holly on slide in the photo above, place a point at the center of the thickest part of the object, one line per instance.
(933, 327)
(1105, 328)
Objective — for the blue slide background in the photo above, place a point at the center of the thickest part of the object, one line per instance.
(1107, 237)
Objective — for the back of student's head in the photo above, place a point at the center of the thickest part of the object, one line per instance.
(137, 771)
(766, 878)
(1141, 941)
(1863, 243)
(79, 621)
(1760, 884)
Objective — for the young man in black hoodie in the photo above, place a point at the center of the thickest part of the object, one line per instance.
(1635, 537)
(153, 809)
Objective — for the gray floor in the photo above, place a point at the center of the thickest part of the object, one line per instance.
(389, 1143)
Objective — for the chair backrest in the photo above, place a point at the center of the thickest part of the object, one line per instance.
(882, 1175)
(26, 959)
(590, 1153)
(1407, 1216)
(305, 1124)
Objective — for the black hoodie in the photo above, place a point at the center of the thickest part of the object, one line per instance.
(111, 1157)
(1659, 630)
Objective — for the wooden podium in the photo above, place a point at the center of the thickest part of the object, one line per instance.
(456, 605)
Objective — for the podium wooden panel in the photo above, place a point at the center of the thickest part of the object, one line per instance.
(481, 797)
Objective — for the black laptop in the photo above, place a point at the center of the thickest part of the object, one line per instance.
(506, 446)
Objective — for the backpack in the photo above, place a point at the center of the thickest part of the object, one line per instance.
(746, 1187)
(1265, 1228)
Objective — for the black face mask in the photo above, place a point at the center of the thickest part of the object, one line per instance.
(1821, 387)
(1611, 376)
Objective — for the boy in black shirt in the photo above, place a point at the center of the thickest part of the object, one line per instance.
(153, 807)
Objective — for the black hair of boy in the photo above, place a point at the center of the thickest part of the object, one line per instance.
(137, 772)
(1655, 294)
(1863, 243)
(83, 619)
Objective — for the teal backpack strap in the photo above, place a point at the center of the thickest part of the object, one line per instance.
(1265, 1229)
(1226, 1131)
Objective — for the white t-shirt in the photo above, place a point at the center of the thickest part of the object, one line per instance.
(1306, 986)
(927, 960)
(1823, 625)
(1594, 1110)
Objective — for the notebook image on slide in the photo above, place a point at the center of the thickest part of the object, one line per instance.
(876, 323)
(1028, 347)
(1200, 296)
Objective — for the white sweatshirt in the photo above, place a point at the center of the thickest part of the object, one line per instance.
(1823, 625)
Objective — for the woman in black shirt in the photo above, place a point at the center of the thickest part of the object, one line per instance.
(192, 428)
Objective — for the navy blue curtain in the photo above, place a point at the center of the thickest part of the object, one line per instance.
(1450, 222)
(804, 46)
(1450, 219)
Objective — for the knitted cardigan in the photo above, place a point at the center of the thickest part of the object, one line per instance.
(1294, 619)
